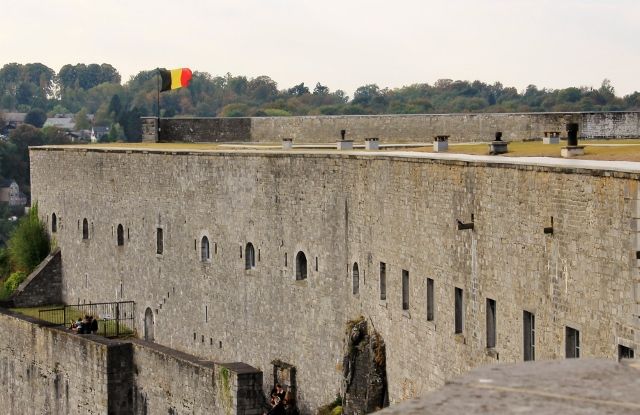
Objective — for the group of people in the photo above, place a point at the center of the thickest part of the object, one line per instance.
(87, 325)
(282, 402)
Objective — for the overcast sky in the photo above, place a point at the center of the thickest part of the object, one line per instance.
(341, 43)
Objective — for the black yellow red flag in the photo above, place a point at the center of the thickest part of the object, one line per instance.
(174, 78)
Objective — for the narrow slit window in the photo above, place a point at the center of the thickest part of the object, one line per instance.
(491, 323)
(383, 281)
(356, 279)
(85, 229)
(529, 340)
(54, 223)
(405, 289)
(159, 241)
(430, 298)
(459, 310)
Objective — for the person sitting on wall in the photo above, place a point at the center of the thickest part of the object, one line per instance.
(277, 406)
(75, 325)
(280, 393)
(85, 326)
(94, 325)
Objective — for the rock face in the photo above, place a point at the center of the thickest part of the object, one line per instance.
(365, 377)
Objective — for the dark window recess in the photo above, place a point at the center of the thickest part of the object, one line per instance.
(85, 229)
(316, 264)
(625, 352)
(383, 281)
(301, 265)
(259, 255)
(430, 299)
(405, 289)
(127, 234)
(285, 259)
(249, 256)
(120, 235)
(491, 323)
(356, 279)
(194, 336)
(54, 223)
(240, 251)
(159, 241)
(572, 342)
(204, 249)
(459, 310)
(529, 331)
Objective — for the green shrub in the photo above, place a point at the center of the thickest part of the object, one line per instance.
(29, 244)
(11, 283)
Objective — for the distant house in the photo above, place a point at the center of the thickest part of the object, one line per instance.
(10, 193)
(11, 121)
(65, 123)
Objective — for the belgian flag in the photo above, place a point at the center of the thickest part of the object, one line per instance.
(174, 78)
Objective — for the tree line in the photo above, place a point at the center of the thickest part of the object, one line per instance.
(98, 89)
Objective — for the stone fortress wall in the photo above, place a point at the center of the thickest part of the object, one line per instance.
(479, 127)
(343, 209)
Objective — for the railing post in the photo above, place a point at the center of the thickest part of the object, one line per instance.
(117, 319)
(64, 316)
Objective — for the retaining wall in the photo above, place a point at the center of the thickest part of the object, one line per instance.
(479, 127)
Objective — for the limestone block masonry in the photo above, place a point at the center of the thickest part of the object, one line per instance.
(479, 127)
(384, 211)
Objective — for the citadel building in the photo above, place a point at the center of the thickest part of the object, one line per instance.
(264, 256)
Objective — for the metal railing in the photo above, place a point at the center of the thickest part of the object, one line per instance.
(114, 319)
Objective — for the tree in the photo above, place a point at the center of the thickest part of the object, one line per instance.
(320, 89)
(298, 90)
(29, 244)
(81, 120)
(55, 135)
(36, 117)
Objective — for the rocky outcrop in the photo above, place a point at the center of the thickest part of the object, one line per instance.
(364, 370)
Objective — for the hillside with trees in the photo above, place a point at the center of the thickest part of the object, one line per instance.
(98, 89)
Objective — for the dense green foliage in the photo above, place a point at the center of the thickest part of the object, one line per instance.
(29, 244)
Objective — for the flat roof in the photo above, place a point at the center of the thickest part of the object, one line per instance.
(577, 166)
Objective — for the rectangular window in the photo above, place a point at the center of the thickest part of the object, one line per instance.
(383, 281)
(159, 241)
(491, 323)
(405, 289)
(430, 301)
(459, 309)
(572, 342)
(625, 352)
(529, 340)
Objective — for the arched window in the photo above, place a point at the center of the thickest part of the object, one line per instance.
(54, 223)
(356, 279)
(249, 256)
(301, 266)
(204, 249)
(120, 235)
(85, 229)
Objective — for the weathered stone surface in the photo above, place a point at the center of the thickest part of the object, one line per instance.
(342, 208)
(43, 286)
(571, 387)
(395, 128)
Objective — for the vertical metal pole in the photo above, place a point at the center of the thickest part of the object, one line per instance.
(117, 319)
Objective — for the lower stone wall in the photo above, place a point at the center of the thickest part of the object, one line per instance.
(54, 371)
(45, 370)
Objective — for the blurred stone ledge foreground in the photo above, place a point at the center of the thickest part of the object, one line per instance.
(572, 386)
